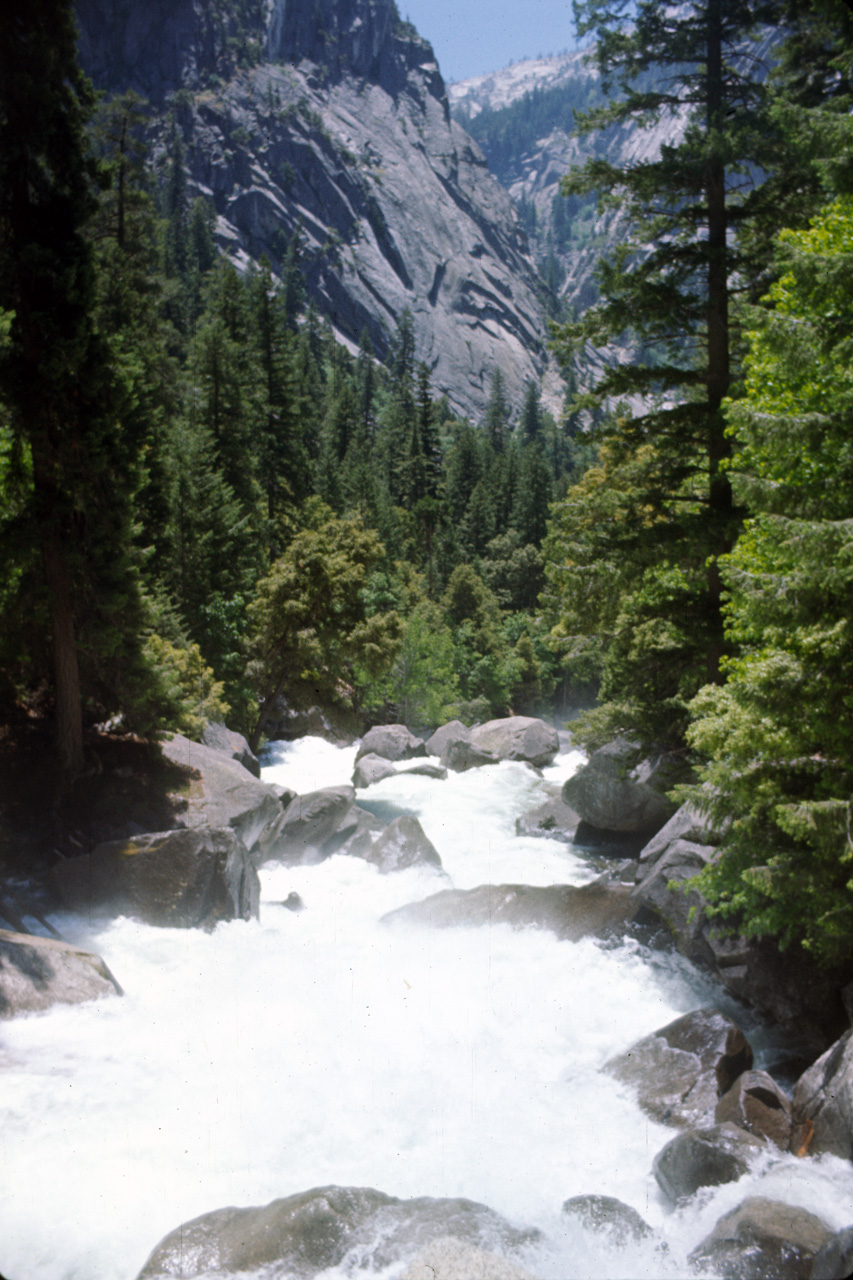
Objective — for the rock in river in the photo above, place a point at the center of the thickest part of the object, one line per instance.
(763, 1240)
(518, 738)
(613, 797)
(36, 973)
(704, 1158)
(391, 742)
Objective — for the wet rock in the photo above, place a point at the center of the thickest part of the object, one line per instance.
(823, 1103)
(174, 879)
(454, 731)
(224, 794)
(756, 1103)
(356, 834)
(681, 1070)
(403, 844)
(369, 769)
(704, 1158)
(659, 891)
(293, 902)
(609, 1216)
(834, 1260)
(462, 755)
(36, 973)
(308, 1233)
(570, 911)
(436, 771)
(285, 794)
(518, 738)
(762, 1240)
(312, 821)
(391, 742)
(449, 1258)
(610, 795)
(220, 738)
(687, 823)
(554, 818)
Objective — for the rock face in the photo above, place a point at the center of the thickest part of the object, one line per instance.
(391, 742)
(36, 973)
(756, 1103)
(823, 1103)
(224, 794)
(403, 844)
(704, 1158)
(518, 738)
(175, 879)
(598, 909)
(342, 130)
(305, 1234)
(233, 745)
(613, 797)
(680, 1071)
(763, 1240)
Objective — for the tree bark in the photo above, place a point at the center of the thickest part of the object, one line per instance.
(69, 711)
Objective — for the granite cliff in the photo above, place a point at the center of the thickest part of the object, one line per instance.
(332, 119)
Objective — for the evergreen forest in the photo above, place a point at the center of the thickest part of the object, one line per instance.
(211, 509)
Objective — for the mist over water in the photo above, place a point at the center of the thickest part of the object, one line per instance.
(266, 1058)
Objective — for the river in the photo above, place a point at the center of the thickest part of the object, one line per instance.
(272, 1056)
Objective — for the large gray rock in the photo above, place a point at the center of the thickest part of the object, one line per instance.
(224, 794)
(554, 818)
(176, 879)
(36, 973)
(687, 823)
(391, 742)
(571, 912)
(231, 744)
(460, 755)
(823, 1103)
(834, 1260)
(449, 1258)
(453, 731)
(314, 1231)
(369, 769)
(680, 1071)
(612, 796)
(320, 823)
(756, 1103)
(518, 738)
(704, 1158)
(661, 891)
(608, 1216)
(403, 844)
(426, 770)
(763, 1240)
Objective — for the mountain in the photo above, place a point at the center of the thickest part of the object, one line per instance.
(331, 119)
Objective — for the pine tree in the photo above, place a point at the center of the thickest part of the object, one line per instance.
(496, 422)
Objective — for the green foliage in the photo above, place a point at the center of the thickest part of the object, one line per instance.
(422, 686)
(187, 695)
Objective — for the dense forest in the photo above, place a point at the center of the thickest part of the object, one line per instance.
(212, 509)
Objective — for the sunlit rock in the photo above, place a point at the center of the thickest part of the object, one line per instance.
(704, 1158)
(453, 731)
(36, 973)
(391, 742)
(756, 1103)
(231, 744)
(461, 754)
(613, 794)
(763, 1240)
(369, 769)
(518, 738)
(554, 818)
(403, 844)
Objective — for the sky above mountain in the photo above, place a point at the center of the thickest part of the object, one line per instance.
(473, 37)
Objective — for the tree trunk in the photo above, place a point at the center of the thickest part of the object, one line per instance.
(69, 711)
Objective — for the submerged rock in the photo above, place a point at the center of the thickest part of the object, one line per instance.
(763, 1240)
(403, 844)
(427, 770)
(680, 1071)
(518, 738)
(608, 1216)
(613, 797)
(391, 742)
(314, 1231)
(704, 1158)
(570, 911)
(554, 818)
(36, 973)
(176, 879)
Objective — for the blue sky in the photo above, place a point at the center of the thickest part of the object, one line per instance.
(472, 37)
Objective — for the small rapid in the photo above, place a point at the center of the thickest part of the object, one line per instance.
(268, 1057)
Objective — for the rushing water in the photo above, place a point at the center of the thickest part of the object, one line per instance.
(269, 1057)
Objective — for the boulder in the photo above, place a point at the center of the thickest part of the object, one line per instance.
(681, 1070)
(403, 844)
(687, 823)
(312, 821)
(608, 1216)
(612, 796)
(36, 973)
(834, 1260)
(220, 738)
(356, 835)
(762, 1240)
(462, 755)
(518, 738)
(454, 731)
(449, 1258)
(823, 1103)
(427, 770)
(391, 742)
(369, 769)
(570, 911)
(756, 1103)
(284, 794)
(224, 794)
(176, 879)
(658, 891)
(704, 1158)
(314, 1231)
(554, 818)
